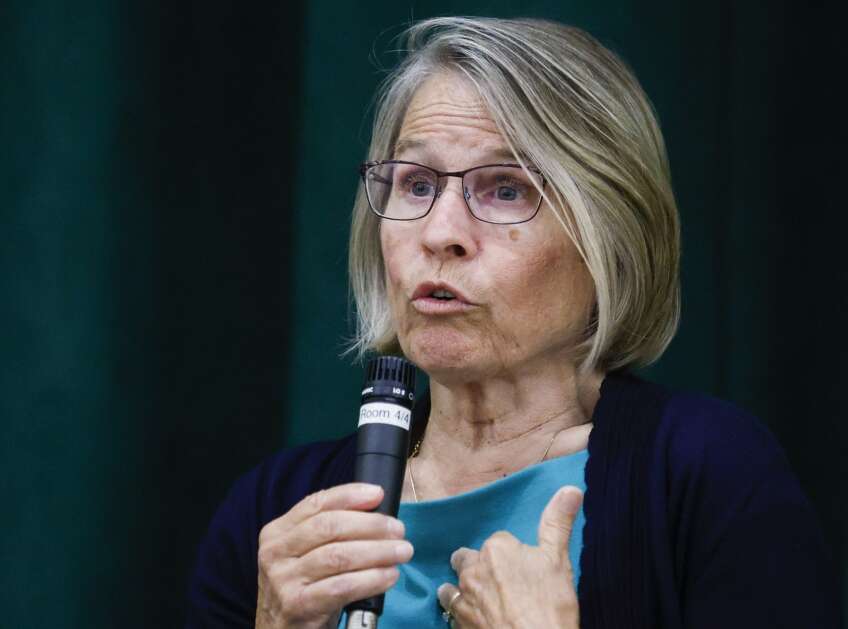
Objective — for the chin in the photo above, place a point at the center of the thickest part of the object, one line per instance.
(443, 354)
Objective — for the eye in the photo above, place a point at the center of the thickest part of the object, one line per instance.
(414, 183)
(506, 193)
(509, 189)
(420, 188)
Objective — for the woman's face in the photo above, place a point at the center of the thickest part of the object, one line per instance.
(525, 292)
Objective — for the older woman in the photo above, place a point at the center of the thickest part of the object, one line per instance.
(516, 237)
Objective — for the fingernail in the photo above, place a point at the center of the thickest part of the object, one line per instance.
(403, 551)
(367, 490)
(396, 527)
(571, 502)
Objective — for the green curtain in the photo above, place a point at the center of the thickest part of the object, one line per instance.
(147, 163)
(176, 184)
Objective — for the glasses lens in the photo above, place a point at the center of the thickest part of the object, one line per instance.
(400, 191)
(503, 194)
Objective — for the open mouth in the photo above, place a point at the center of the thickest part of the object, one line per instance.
(440, 298)
(442, 295)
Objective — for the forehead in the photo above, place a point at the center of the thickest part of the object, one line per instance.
(449, 89)
(445, 113)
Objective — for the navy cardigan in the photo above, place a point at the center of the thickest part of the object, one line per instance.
(694, 520)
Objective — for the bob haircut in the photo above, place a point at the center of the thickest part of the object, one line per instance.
(572, 108)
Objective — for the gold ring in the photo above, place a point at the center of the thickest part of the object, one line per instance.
(452, 601)
(447, 615)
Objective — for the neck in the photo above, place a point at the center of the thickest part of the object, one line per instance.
(480, 431)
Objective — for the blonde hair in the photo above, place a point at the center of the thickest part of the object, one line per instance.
(574, 110)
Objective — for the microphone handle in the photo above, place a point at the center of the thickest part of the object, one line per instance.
(385, 470)
(381, 460)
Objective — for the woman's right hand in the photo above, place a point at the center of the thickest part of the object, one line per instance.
(325, 552)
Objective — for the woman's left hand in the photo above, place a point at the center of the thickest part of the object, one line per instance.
(510, 584)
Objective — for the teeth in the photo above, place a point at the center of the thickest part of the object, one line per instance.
(443, 294)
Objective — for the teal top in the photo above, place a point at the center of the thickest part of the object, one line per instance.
(436, 528)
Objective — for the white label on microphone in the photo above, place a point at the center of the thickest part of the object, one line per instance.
(384, 413)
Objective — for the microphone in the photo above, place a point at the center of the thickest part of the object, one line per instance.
(382, 443)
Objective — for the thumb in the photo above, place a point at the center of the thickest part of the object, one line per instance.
(557, 521)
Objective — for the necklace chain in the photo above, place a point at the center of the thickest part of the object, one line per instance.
(417, 447)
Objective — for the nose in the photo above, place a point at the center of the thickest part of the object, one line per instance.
(449, 229)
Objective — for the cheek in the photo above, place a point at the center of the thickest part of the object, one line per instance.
(548, 283)
(388, 245)
(391, 245)
(568, 280)
(575, 292)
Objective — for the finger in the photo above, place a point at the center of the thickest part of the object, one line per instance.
(338, 526)
(348, 496)
(557, 522)
(342, 557)
(463, 609)
(463, 557)
(448, 598)
(339, 590)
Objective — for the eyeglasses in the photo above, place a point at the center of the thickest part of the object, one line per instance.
(503, 194)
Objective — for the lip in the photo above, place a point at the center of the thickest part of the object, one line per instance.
(425, 304)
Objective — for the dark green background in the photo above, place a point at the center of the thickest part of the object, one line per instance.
(175, 186)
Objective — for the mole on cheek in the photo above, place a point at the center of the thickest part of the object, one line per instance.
(513, 234)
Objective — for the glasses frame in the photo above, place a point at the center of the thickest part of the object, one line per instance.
(365, 166)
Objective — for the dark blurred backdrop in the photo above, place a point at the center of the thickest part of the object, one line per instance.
(175, 186)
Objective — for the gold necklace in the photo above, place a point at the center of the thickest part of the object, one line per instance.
(418, 447)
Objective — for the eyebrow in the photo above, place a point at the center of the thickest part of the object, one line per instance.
(403, 145)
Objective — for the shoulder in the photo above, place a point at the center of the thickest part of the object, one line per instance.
(697, 422)
(725, 467)
(708, 489)
(740, 526)
(705, 435)
(723, 481)
(693, 449)
(687, 429)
